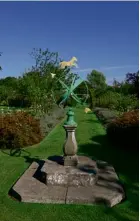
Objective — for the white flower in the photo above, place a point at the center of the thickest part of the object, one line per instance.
(53, 75)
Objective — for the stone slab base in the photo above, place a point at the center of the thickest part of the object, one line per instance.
(32, 188)
(84, 174)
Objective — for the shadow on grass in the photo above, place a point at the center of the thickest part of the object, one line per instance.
(19, 152)
(125, 162)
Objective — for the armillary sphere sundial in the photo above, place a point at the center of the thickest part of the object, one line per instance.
(71, 178)
(69, 88)
(70, 91)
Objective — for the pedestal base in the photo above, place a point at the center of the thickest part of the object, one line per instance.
(84, 174)
(70, 160)
(69, 185)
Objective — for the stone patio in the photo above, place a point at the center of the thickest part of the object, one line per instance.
(48, 181)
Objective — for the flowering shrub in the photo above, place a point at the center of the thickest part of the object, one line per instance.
(125, 130)
(51, 119)
(19, 129)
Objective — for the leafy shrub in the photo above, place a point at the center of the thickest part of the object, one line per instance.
(124, 130)
(3, 103)
(117, 101)
(107, 99)
(126, 103)
(19, 130)
(18, 102)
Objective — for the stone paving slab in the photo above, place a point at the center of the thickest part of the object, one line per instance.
(92, 195)
(32, 190)
(106, 189)
(80, 195)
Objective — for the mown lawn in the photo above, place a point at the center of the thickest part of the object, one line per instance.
(92, 141)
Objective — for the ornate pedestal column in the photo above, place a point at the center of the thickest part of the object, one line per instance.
(70, 146)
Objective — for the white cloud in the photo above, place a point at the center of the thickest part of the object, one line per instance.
(85, 70)
(107, 68)
(118, 67)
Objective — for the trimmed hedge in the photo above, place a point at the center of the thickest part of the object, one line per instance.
(124, 131)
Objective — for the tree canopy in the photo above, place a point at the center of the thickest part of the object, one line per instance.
(97, 80)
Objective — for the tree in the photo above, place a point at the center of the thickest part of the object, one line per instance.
(97, 80)
(133, 80)
(9, 82)
(4, 94)
(47, 62)
(34, 88)
(8, 88)
(116, 84)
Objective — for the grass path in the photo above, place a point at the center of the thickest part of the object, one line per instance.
(92, 141)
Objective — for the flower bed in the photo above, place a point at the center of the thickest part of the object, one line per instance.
(105, 115)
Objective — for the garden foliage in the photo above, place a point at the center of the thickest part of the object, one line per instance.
(34, 88)
(124, 130)
(18, 130)
(117, 101)
(51, 119)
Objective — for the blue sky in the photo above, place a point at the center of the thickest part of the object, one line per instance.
(102, 35)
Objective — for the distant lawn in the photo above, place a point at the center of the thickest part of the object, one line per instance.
(8, 109)
(92, 141)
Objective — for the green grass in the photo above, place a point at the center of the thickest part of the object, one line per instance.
(92, 141)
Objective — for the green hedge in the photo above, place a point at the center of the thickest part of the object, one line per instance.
(124, 130)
